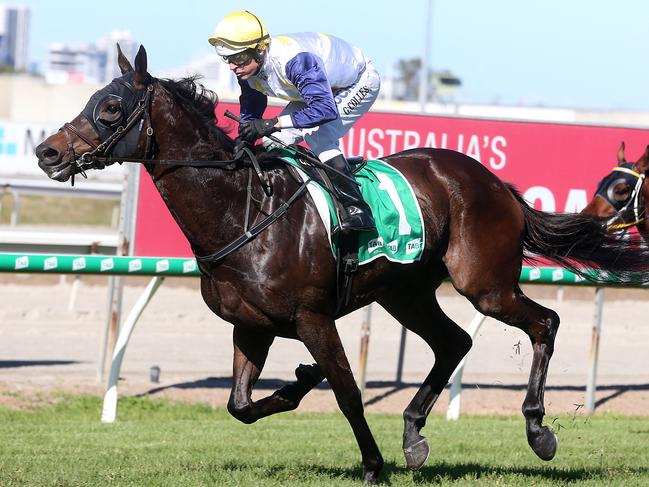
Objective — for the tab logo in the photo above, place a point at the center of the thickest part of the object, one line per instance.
(50, 263)
(413, 246)
(22, 263)
(394, 246)
(79, 263)
(162, 266)
(189, 266)
(374, 244)
(135, 265)
(106, 265)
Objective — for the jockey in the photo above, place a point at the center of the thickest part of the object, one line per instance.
(329, 85)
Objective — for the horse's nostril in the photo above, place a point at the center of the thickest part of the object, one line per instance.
(50, 153)
(47, 153)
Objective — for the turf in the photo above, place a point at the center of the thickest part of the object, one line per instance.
(56, 210)
(164, 443)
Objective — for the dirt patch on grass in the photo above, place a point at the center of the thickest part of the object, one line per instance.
(51, 341)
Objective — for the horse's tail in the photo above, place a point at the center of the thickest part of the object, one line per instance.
(581, 242)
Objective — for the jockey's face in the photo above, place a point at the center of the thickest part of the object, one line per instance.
(245, 67)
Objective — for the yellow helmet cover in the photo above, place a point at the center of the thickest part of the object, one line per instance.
(239, 31)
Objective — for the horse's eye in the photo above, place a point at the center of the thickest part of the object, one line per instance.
(110, 112)
(621, 192)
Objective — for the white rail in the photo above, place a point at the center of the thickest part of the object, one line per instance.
(46, 187)
(35, 241)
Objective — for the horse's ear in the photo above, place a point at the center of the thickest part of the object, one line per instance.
(620, 154)
(122, 62)
(642, 164)
(141, 75)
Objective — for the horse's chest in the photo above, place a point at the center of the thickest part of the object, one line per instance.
(257, 310)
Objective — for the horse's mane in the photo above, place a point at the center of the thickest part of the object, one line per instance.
(199, 101)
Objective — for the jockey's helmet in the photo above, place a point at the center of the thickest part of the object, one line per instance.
(239, 31)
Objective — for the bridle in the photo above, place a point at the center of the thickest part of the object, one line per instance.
(605, 191)
(100, 155)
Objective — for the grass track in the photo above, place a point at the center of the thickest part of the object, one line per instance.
(162, 443)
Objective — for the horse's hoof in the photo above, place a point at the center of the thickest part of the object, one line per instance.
(417, 454)
(309, 374)
(372, 467)
(545, 444)
(370, 477)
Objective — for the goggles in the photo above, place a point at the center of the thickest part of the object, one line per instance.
(240, 59)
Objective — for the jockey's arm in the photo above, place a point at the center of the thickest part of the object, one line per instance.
(306, 72)
(252, 103)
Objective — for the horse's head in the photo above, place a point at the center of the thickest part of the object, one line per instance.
(619, 196)
(109, 128)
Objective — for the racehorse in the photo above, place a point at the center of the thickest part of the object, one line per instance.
(622, 197)
(283, 281)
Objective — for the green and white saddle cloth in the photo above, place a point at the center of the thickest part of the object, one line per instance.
(399, 235)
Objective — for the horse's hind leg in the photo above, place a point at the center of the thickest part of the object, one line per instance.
(250, 352)
(484, 262)
(421, 314)
(541, 325)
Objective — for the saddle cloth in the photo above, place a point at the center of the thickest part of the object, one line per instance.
(399, 234)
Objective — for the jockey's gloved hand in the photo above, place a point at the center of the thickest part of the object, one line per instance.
(252, 130)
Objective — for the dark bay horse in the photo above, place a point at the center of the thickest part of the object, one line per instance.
(283, 282)
(622, 197)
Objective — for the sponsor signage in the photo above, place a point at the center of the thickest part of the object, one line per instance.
(17, 144)
(555, 165)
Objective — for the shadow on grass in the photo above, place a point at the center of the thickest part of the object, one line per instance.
(614, 390)
(297, 470)
(10, 364)
(447, 472)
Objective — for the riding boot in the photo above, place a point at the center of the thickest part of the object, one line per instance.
(357, 215)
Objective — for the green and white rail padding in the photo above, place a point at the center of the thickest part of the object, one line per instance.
(98, 264)
(177, 266)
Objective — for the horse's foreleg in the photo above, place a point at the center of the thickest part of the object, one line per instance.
(250, 352)
(422, 315)
(319, 334)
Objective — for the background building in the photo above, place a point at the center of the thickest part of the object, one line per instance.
(84, 63)
(14, 38)
(215, 75)
(108, 45)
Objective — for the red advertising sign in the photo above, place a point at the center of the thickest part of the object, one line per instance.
(555, 166)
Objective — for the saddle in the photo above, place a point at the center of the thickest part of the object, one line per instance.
(347, 248)
(399, 236)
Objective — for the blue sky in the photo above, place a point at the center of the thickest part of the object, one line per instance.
(560, 53)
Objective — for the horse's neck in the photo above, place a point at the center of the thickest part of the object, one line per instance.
(207, 203)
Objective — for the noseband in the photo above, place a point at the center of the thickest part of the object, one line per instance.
(100, 155)
(605, 191)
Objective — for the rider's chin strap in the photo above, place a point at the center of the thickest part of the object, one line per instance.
(634, 199)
